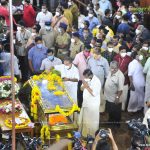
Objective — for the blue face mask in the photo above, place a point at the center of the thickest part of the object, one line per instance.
(51, 57)
(39, 46)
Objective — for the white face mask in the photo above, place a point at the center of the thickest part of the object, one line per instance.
(43, 10)
(59, 30)
(87, 80)
(133, 19)
(110, 49)
(82, 25)
(123, 54)
(47, 27)
(23, 2)
(92, 45)
(141, 57)
(33, 34)
(118, 17)
(67, 67)
(19, 28)
(145, 48)
(137, 31)
(73, 40)
(69, 3)
(57, 14)
(87, 8)
(90, 15)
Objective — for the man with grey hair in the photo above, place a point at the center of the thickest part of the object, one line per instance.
(142, 32)
(112, 91)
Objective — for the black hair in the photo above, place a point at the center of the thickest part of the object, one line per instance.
(69, 59)
(116, 37)
(87, 72)
(125, 17)
(7, 47)
(38, 38)
(4, 3)
(134, 54)
(102, 145)
(27, 1)
(110, 43)
(2, 17)
(21, 23)
(50, 51)
(38, 27)
(107, 11)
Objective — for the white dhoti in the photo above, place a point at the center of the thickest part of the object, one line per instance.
(136, 101)
(124, 97)
(89, 121)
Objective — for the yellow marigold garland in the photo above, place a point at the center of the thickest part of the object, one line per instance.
(35, 96)
(74, 108)
(59, 93)
(45, 133)
(8, 77)
(18, 126)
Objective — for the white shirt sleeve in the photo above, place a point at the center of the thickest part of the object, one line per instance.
(131, 69)
(147, 66)
(38, 17)
(96, 87)
(76, 73)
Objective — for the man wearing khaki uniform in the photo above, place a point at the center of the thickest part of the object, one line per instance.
(62, 42)
(76, 45)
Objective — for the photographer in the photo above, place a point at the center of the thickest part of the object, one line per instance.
(102, 144)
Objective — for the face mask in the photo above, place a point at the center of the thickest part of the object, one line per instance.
(87, 80)
(69, 3)
(43, 10)
(50, 58)
(123, 54)
(73, 40)
(90, 15)
(85, 34)
(92, 45)
(82, 25)
(87, 8)
(67, 67)
(133, 20)
(124, 11)
(145, 48)
(39, 46)
(59, 30)
(110, 49)
(57, 14)
(33, 34)
(23, 2)
(14, 41)
(118, 17)
(19, 28)
(86, 54)
(137, 31)
(47, 27)
(141, 57)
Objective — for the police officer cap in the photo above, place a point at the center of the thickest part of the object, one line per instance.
(63, 25)
(76, 34)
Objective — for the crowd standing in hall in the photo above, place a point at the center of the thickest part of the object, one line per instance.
(103, 55)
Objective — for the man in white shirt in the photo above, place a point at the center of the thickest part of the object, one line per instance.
(43, 16)
(50, 61)
(70, 76)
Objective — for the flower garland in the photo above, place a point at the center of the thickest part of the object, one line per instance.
(59, 93)
(2, 78)
(45, 133)
(24, 124)
(35, 96)
(73, 109)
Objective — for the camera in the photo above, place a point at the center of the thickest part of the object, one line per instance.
(103, 133)
(138, 127)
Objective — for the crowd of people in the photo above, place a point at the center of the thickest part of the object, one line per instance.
(103, 55)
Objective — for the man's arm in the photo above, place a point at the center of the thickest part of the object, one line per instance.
(114, 145)
(30, 65)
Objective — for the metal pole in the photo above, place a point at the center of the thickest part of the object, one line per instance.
(12, 76)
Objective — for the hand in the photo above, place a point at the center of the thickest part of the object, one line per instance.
(85, 84)
(117, 100)
(132, 88)
(66, 79)
(110, 134)
(97, 138)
